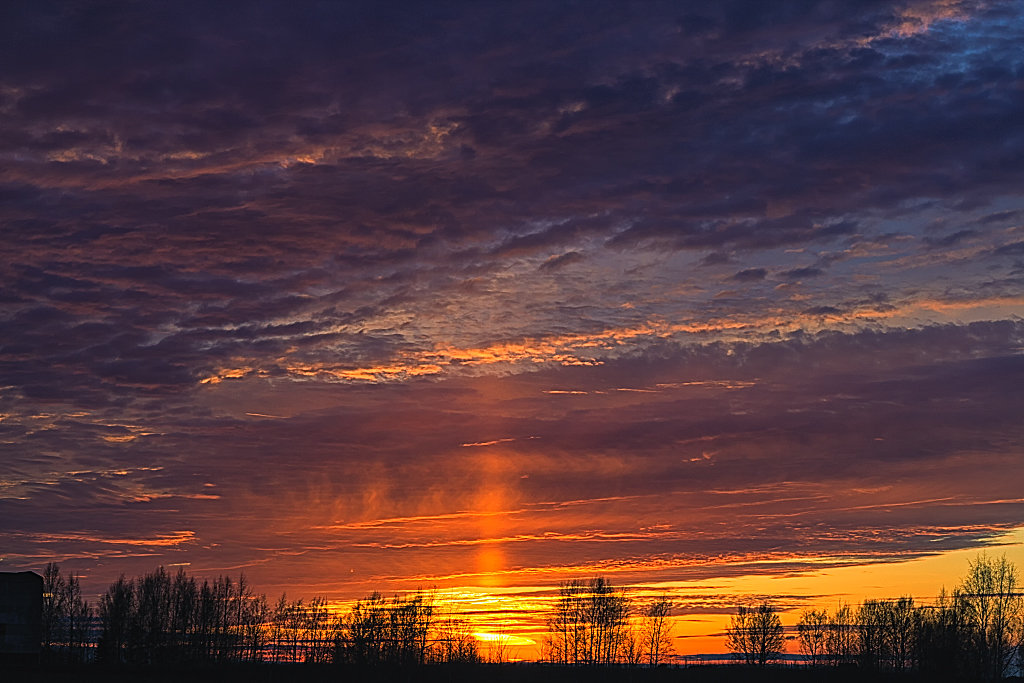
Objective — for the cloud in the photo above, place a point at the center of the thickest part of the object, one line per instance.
(1013, 249)
(801, 273)
(403, 232)
(562, 260)
(795, 461)
(750, 275)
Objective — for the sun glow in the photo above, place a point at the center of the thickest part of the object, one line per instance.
(508, 616)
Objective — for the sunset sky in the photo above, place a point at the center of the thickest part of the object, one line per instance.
(714, 299)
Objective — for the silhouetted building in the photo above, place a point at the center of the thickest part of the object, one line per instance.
(21, 616)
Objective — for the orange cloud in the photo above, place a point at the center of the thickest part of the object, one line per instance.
(168, 540)
(585, 348)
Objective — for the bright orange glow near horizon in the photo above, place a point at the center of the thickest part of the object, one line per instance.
(512, 615)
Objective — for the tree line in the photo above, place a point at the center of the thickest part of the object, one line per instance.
(160, 618)
(66, 617)
(973, 632)
(164, 618)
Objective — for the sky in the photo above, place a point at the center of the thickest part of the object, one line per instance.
(719, 299)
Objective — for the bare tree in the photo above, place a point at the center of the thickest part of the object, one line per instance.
(117, 608)
(631, 646)
(380, 631)
(812, 630)
(990, 596)
(157, 619)
(153, 616)
(888, 631)
(940, 636)
(53, 609)
(902, 626)
(841, 639)
(292, 619)
(363, 633)
(499, 650)
(755, 635)
(607, 617)
(65, 617)
(453, 641)
(871, 645)
(276, 628)
(318, 628)
(588, 624)
(564, 643)
(655, 632)
(409, 627)
(78, 615)
(183, 619)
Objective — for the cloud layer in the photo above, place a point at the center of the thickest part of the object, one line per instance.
(374, 295)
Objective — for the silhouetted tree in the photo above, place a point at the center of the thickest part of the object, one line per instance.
(565, 640)
(410, 623)
(870, 637)
(500, 648)
(183, 621)
(289, 619)
(888, 631)
(380, 631)
(363, 632)
(812, 630)
(453, 642)
(973, 632)
(53, 608)
(841, 639)
(755, 635)
(275, 628)
(158, 619)
(319, 628)
(902, 628)
(631, 646)
(153, 617)
(589, 623)
(117, 610)
(252, 627)
(941, 635)
(655, 632)
(77, 620)
(993, 609)
(65, 617)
